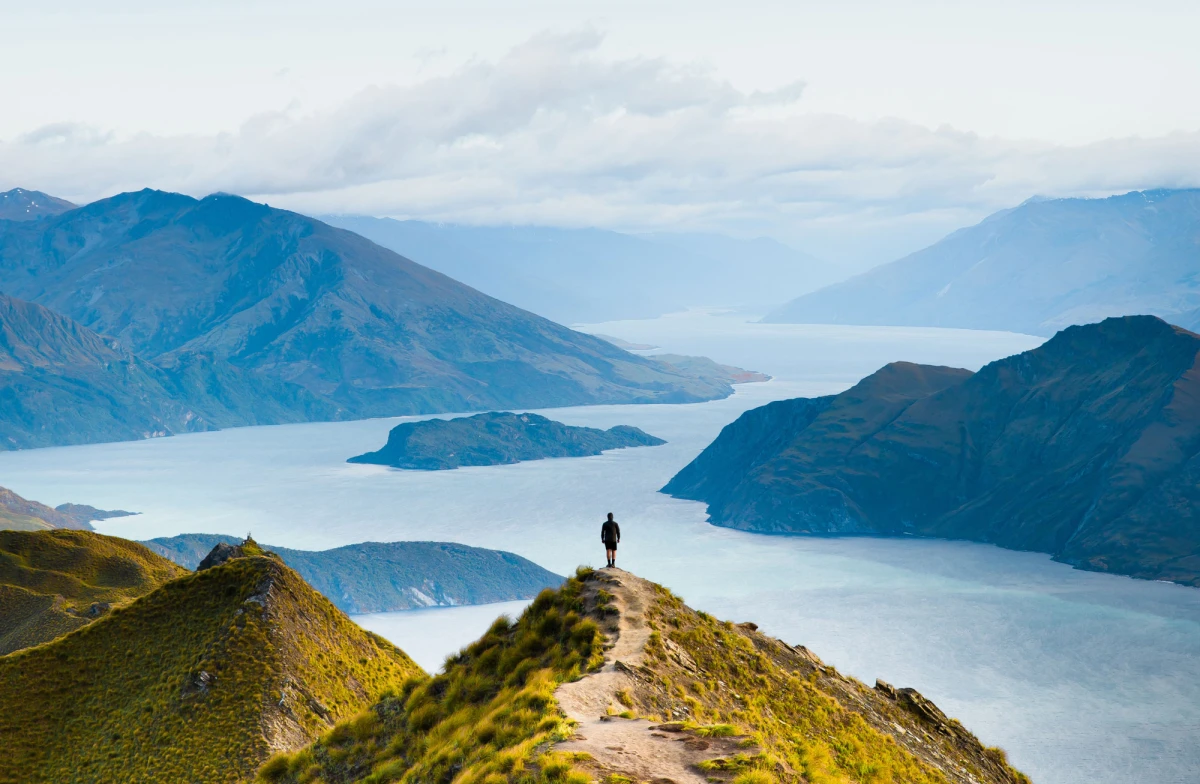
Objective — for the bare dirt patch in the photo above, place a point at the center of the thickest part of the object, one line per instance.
(635, 747)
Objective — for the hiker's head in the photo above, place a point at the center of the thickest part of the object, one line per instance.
(610, 515)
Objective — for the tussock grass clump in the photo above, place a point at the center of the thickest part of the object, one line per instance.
(487, 719)
(805, 721)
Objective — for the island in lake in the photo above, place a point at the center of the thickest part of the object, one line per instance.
(496, 438)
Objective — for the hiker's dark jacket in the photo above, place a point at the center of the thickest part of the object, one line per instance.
(610, 532)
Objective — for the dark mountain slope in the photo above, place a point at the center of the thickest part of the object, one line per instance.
(496, 438)
(22, 205)
(1087, 447)
(314, 305)
(61, 383)
(1036, 268)
(53, 582)
(387, 576)
(197, 681)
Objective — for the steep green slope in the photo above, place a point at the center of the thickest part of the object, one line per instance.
(197, 681)
(305, 303)
(387, 576)
(496, 438)
(55, 581)
(751, 710)
(1087, 448)
(61, 383)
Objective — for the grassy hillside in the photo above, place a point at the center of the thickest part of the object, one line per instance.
(487, 717)
(387, 576)
(55, 581)
(197, 681)
(748, 709)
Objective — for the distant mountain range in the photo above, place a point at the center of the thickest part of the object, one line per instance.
(1087, 448)
(21, 514)
(185, 314)
(1037, 268)
(22, 205)
(387, 576)
(591, 275)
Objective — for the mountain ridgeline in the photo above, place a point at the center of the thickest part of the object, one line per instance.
(240, 667)
(199, 678)
(389, 576)
(161, 314)
(1036, 268)
(1087, 448)
(19, 204)
(613, 679)
(496, 438)
(53, 582)
(22, 514)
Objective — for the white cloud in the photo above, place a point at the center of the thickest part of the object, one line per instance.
(555, 133)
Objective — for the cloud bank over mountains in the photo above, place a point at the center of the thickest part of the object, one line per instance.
(554, 133)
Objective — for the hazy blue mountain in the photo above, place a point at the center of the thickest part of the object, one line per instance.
(61, 383)
(1087, 447)
(22, 205)
(358, 326)
(1036, 268)
(387, 576)
(590, 275)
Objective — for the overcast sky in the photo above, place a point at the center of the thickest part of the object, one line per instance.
(852, 129)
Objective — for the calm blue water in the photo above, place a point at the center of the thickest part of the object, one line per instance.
(1081, 677)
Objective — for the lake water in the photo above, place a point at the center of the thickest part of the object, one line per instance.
(1081, 677)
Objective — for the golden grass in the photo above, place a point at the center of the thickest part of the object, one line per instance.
(804, 733)
(50, 579)
(181, 684)
(486, 720)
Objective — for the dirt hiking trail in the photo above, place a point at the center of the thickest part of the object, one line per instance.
(636, 748)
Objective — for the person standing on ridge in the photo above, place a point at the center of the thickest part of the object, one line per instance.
(610, 534)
